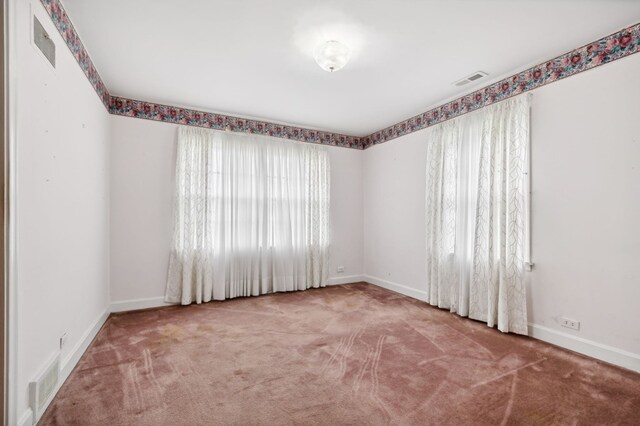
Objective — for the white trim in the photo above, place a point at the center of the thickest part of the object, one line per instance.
(158, 302)
(26, 419)
(135, 304)
(398, 288)
(348, 279)
(590, 348)
(11, 300)
(69, 363)
(583, 346)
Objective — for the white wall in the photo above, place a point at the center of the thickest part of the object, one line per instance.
(142, 185)
(62, 193)
(394, 213)
(585, 207)
(586, 204)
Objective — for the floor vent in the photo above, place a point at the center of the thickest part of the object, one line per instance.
(41, 390)
(471, 78)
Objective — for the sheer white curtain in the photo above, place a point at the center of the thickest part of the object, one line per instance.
(251, 216)
(476, 204)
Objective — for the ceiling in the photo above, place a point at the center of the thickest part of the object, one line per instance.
(254, 58)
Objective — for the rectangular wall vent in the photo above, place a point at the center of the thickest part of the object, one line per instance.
(42, 388)
(43, 42)
(471, 78)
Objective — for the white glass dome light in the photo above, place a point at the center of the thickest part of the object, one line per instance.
(332, 55)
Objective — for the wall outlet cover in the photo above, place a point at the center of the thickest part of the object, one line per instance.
(569, 323)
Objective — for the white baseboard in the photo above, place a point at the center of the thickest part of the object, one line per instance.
(135, 304)
(67, 366)
(345, 280)
(398, 288)
(590, 348)
(26, 419)
(158, 302)
(69, 363)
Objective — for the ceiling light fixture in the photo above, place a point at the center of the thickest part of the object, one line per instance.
(332, 55)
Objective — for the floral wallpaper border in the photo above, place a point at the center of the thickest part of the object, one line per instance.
(610, 48)
(70, 36)
(170, 114)
(615, 46)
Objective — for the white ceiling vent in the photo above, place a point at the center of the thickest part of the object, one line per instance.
(471, 78)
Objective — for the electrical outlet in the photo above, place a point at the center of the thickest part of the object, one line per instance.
(63, 340)
(569, 323)
(340, 269)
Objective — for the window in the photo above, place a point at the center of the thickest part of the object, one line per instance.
(477, 214)
(251, 211)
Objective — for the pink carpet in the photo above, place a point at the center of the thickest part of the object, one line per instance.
(354, 354)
